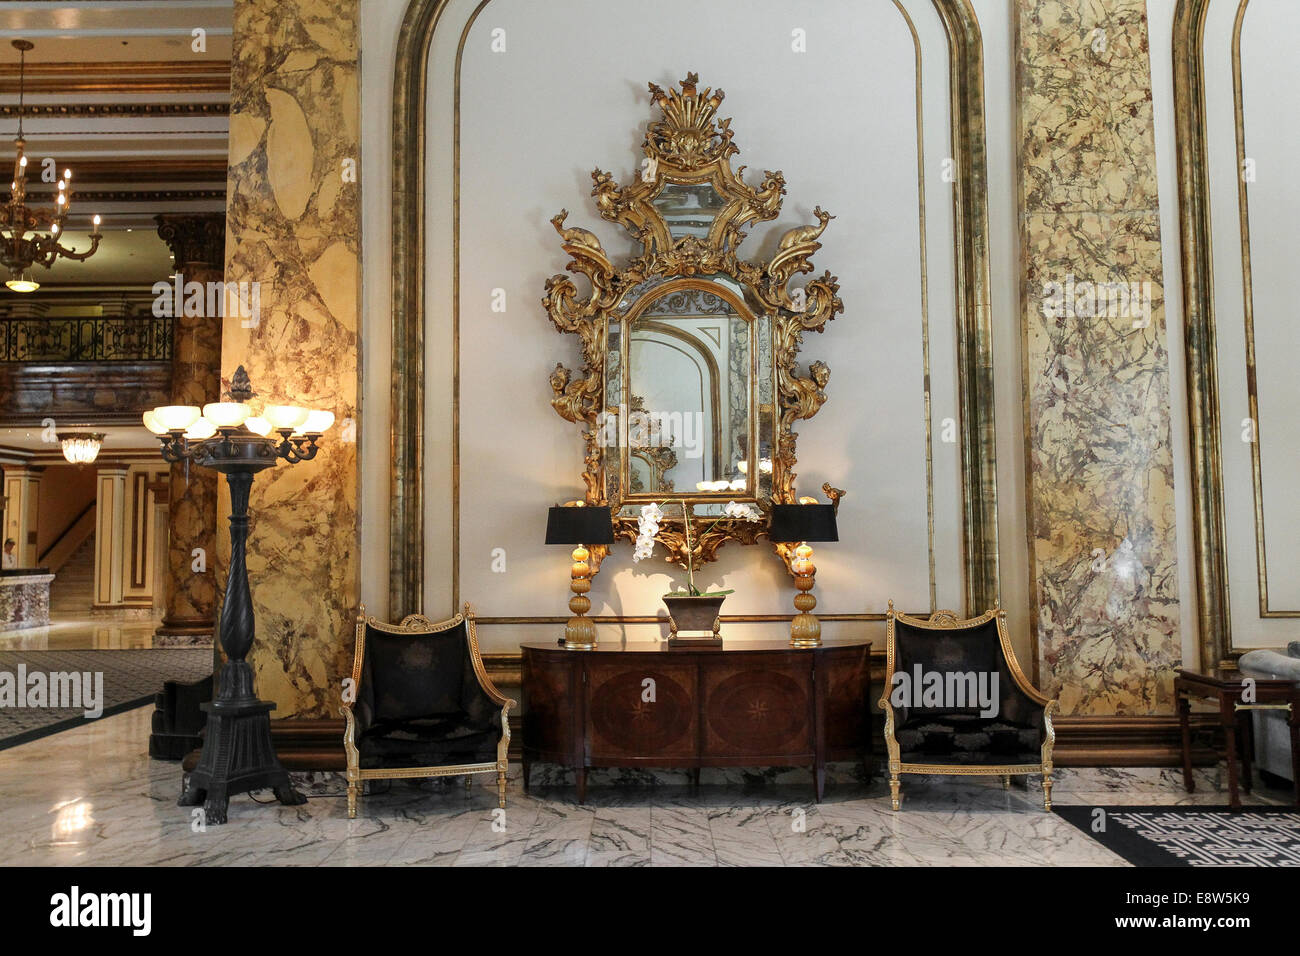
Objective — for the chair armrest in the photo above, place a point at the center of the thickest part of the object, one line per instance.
(891, 742)
(350, 733)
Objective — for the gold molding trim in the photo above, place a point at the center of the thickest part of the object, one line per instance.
(145, 76)
(973, 318)
(1214, 623)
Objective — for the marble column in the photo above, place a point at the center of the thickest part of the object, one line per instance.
(294, 229)
(197, 242)
(22, 493)
(110, 533)
(1099, 466)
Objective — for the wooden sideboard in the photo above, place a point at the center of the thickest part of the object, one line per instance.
(744, 704)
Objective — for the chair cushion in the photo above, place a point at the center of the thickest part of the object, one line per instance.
(429, 741)
(414, 676)
(959, 739)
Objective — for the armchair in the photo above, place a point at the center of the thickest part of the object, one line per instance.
(961, 704)
(422, 704)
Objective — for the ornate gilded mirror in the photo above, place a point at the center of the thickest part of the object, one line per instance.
(690, 383)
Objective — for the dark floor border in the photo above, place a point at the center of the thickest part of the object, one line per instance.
(1138, 850)
(70, 723)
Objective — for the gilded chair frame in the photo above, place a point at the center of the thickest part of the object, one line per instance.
(948, 620)
(419, 624)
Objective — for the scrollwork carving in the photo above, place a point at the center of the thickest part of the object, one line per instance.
(689, 146)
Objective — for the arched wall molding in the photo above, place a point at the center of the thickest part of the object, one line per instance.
(973, 320)
(1209, 513)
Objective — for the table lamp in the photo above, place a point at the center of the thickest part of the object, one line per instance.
(580, 525)
(803, 523)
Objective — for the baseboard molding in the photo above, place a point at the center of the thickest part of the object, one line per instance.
(305, 743)
(1146, 741)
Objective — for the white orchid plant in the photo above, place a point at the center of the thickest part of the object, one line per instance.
(648, 528)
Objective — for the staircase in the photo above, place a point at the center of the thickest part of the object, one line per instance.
(73, 590)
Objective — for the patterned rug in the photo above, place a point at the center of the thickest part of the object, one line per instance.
(1193, 836)
(130, 680)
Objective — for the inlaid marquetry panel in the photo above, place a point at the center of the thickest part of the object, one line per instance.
(629, 716)
(758, 709)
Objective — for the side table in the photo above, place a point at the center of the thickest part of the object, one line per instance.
(1228, 689)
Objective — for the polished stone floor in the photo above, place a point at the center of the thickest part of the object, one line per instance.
(91, 796)
(124, 631)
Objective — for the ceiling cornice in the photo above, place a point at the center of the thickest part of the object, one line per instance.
(113, 110)
(159, 76)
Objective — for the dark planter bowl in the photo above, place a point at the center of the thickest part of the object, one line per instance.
(698, 615)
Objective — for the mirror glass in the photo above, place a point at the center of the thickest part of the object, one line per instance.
(687, 371)
(688, 209)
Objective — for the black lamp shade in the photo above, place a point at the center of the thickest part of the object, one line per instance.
(589, 524)
(803, 523)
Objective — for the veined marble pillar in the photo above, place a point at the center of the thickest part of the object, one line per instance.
(198, 243)
(110, 533)
(1096, 369)
(22, 491)
(294, 229)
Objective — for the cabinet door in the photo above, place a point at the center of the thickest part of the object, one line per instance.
(646, 711)
(846, 679)
(758, 706)
(550, 691)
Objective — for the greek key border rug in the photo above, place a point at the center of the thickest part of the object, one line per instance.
(1193, 835)
(131, 678)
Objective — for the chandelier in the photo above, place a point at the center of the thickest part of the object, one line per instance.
(81, 448)
(30, 236)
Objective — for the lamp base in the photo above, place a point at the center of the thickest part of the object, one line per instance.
(580, 634)
(237, 757)
(805, 631)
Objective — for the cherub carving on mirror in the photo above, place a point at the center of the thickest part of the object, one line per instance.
(690, 385)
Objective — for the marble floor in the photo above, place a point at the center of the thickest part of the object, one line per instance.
(124, 631)
(91, 796)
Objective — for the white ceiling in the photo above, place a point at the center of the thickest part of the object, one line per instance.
(116, 30)
(116, 437)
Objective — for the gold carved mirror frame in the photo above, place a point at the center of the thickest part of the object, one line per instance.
(690, 146)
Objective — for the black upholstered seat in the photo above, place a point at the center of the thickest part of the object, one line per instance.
(424, 705)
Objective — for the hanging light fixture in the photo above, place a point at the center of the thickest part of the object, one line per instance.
(31, 236)
(81, 448)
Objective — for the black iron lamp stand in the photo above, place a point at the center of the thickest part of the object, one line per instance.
(237, 755)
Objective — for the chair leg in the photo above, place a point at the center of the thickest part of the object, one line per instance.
(352, 799)
(501, 789)
(1047, 791)
(894, 790)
